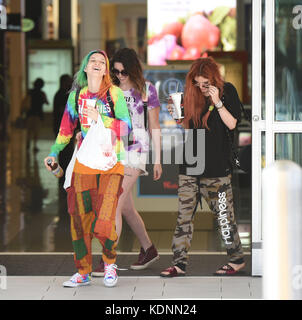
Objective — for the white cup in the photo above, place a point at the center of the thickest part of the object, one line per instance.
(91, 102)
(177, 99)
(86, 121)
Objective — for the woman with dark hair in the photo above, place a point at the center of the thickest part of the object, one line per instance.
(213, 105)
(93, 194)
(143, 106)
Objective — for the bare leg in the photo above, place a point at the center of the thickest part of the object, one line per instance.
(130, 178)
(126, 208)
(136, 223)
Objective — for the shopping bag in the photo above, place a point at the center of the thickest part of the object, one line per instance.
(69, 169)
(96, 150)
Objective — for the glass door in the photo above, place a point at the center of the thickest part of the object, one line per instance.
(277, 119)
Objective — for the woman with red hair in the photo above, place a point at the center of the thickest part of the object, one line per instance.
(93, 194)
(212, 105)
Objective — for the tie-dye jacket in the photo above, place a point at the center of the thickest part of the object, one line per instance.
(120, 125)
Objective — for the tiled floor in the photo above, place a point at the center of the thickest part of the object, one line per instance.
(134, 288)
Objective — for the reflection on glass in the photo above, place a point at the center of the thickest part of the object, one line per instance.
(289, 147)
(288, 79)
(263, 149)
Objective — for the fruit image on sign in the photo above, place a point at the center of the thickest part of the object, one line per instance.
(187, 29)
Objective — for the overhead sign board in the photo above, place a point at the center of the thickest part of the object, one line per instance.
(14, 22)
(10, 21)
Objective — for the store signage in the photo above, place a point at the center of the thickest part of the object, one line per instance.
(188, 29)
(13, 22)
(9, 21)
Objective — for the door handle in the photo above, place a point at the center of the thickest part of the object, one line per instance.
(256, 118)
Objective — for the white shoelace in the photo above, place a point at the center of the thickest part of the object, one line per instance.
(110, 270)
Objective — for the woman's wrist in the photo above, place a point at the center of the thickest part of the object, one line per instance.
(219, 105)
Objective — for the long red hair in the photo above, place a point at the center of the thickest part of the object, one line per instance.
(106, 83)
(194, 100)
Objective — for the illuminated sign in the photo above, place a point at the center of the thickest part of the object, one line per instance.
(187, 29)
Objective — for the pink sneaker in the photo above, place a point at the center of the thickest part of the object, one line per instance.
(110, 277)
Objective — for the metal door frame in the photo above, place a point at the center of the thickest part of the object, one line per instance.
(268, 125)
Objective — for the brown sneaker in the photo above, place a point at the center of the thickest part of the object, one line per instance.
(145, 258)
(99, 271)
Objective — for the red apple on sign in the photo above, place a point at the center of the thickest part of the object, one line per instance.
(200, 33)
(177, 53)
(214, 37)
(174, 28)
(191, 53)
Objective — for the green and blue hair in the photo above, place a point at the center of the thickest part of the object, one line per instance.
(80, 78)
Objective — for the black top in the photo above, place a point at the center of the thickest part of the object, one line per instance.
(38, 98)
(59, 103)
(217, 145)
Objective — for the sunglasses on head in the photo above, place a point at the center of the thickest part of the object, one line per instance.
(122, 72)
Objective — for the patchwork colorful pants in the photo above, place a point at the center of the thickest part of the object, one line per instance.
(92, 201)
(219, 196)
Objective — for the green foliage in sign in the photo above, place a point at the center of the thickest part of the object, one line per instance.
(222, 18)
(219, 14)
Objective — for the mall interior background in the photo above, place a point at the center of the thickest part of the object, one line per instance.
(33, 213)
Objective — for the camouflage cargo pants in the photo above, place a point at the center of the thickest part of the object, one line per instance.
(219, 196)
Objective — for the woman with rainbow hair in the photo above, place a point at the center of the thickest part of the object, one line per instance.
(143, 105)
(93, 194)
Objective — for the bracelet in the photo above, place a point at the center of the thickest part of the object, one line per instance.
(219, 104)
